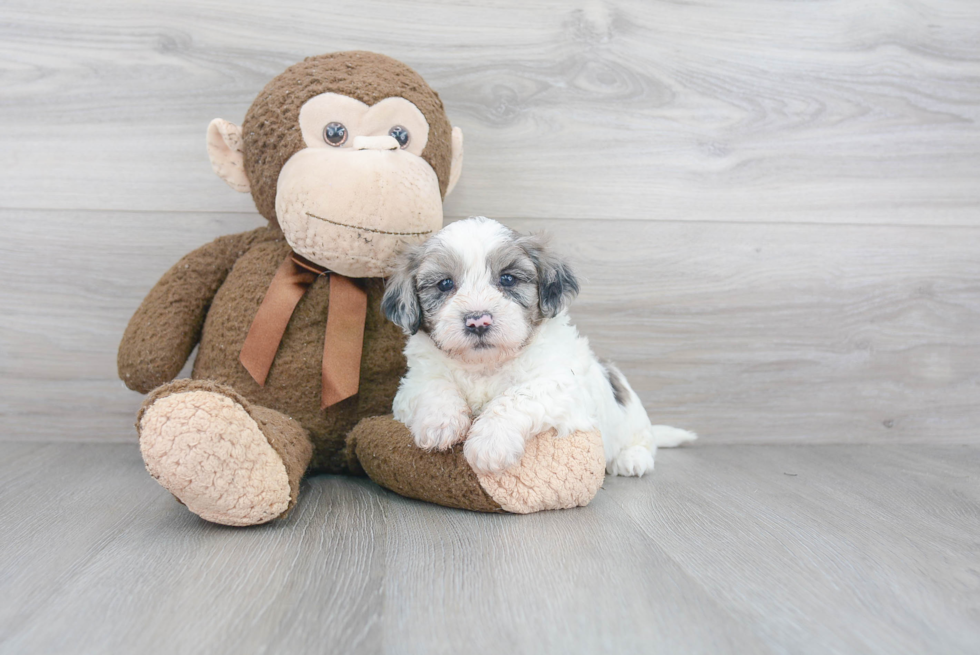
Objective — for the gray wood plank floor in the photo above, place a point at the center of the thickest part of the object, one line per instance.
(724, 549)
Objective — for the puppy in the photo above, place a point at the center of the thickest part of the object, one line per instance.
(493, 360)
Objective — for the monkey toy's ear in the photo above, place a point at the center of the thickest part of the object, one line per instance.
(225, 151)
(456, 166)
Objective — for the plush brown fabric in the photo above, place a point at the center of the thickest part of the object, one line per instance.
(271, 133)
(290, 441)
(388, 455)
(286, 437)
(167, 325)
(293, 384)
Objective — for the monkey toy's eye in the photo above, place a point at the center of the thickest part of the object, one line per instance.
(507, 280)
(401, 135)
(445, 285)
(335, 134)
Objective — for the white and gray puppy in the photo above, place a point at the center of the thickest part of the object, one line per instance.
(492, 358)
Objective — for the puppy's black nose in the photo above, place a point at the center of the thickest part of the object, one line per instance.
(478, 323)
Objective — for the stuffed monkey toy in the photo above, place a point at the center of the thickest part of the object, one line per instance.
(349, 156)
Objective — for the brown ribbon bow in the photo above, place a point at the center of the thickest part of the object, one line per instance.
(344, 338)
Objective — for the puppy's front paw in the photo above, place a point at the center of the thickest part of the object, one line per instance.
(440, 428)
(493, 445)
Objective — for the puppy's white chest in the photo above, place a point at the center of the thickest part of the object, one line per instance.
(479, 391)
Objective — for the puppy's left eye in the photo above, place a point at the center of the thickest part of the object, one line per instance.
(445, 285)
(507, 280)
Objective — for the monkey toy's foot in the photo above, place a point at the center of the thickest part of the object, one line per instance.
(553, 473)
(228, 461)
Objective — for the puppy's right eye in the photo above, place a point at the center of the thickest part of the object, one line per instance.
(445, 285)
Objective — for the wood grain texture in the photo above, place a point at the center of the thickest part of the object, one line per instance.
(773, 206)
(66, 299)
(809, 332)
(812, 546)
(724, 549)
(745, 333)
(820, 111)
(556, 582)
(719, 158)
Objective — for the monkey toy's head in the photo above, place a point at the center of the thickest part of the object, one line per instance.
(350, 153)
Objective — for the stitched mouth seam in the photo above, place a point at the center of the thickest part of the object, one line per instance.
(369, 229)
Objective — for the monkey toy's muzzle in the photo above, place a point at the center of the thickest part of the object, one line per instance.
(353, 209)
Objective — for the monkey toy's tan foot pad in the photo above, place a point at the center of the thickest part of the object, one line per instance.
(228, 461)
(554, 473)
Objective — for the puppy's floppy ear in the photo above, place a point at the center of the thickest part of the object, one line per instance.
(557, 285)
(401, 303)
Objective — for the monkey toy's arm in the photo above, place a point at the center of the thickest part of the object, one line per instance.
(167, 325)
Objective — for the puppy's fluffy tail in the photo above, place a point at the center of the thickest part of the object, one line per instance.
(664, 436)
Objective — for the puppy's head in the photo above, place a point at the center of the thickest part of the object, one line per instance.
(478, 289)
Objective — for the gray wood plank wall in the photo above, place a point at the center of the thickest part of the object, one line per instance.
(775, 205)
